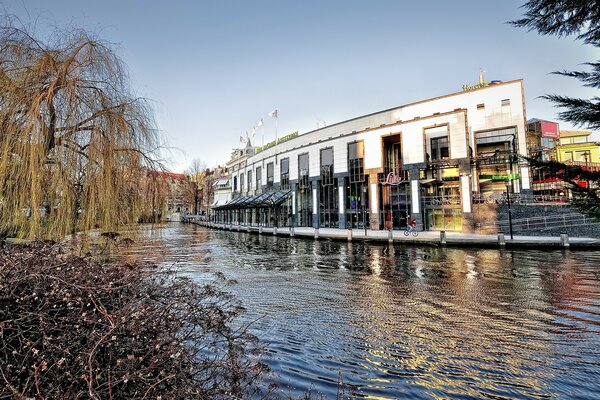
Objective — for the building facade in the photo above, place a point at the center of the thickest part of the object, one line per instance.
(430, 160)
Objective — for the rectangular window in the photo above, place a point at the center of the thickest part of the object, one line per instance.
(437, 143)
(258, 178)
(270, 175)
(327, 166)
(303, 177)
(250, 180)
(356, 162)
(481, 106)
(582, 156)
(505, 102)
(496, 144)
(285, 173)
(241, 183)
(439, 148)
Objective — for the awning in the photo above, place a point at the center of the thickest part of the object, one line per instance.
(263, 200)
(218, 203)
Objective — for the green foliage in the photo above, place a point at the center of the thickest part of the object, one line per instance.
(586, 199)
(74, 140)
(565, 18)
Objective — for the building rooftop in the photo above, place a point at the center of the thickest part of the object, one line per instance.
(564, 133)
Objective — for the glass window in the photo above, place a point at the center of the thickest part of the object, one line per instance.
(355, 161)
(439, 148)
(242, 183)
(327, 166)
(270, 174)
(303, 164)
(285, 173)
(303, 180)
(356, 150)
(258, 178)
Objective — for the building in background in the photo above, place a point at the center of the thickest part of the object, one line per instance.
(168, 196)
(433, 160)
(542, 142)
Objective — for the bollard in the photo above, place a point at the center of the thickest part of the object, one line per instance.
(564, 240)
(390, 236)
(260, 230)
(501, 240)
(443, 237)
(292, 233)
(239, 227)
(350, 234)
(316, 233)
(274, 231)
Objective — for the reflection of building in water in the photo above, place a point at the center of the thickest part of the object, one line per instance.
(431, 159)
(421, 332)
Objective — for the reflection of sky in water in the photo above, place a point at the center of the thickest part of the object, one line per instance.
(406, 322)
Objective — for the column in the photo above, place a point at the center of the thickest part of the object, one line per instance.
(315, 201)
(341, 203)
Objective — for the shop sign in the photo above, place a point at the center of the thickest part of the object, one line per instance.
(392, 179)
(549, 130)
(276, 142)
(467, 87)
(500, 177)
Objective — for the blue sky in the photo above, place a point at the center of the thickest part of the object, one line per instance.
(213, 69)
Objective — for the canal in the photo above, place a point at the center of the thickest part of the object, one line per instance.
(405, 322)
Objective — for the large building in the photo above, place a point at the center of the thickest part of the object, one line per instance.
(433, 160)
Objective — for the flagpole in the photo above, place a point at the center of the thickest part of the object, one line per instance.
(276, 129)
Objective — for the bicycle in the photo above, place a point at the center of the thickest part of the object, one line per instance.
(414, 232)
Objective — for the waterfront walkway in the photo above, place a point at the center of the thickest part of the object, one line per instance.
(430, 238)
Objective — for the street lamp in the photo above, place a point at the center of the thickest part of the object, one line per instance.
(508, 189)
(364, 207)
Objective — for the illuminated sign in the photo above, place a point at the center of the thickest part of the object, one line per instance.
(467, 87)
(276, 142)
(392, 179)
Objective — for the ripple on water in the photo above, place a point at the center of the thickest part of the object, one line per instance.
(405, 322)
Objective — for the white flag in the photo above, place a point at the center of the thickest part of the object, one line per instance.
(273, 113)
(241, 139)
(253, 132)
(260, 123)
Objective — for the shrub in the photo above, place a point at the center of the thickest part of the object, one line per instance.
(72, 328)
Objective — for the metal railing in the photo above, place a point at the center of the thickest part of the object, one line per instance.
(518, 198)
(441, 200)
(542, 223)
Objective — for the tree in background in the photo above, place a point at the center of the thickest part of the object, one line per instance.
(197, 176)
(74, 140)
(566, 18)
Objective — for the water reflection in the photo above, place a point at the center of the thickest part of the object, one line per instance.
(406, 322)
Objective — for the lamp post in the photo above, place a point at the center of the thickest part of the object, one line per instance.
(508, 189)
(364, 207)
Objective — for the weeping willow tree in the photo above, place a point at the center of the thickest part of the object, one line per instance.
(74, 141)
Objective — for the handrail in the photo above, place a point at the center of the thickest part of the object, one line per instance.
(541, 223)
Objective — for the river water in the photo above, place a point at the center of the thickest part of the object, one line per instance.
(405, 322)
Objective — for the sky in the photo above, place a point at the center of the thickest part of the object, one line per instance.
(213, 69)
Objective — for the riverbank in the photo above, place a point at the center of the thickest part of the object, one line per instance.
(425, 238)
